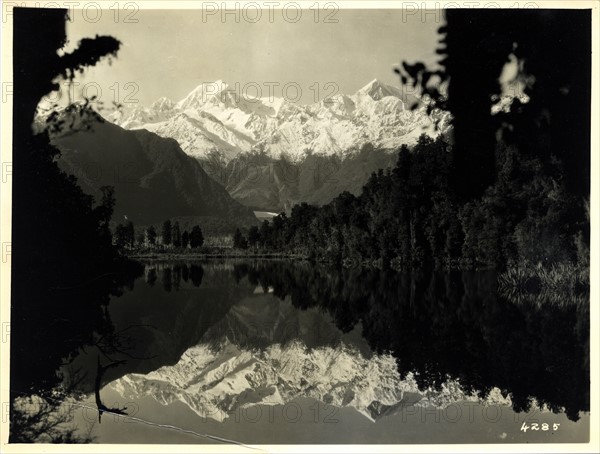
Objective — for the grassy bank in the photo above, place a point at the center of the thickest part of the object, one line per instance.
(207, 253)
(559, 284)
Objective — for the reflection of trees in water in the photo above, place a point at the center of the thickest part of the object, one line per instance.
(149, 327)
(47, 416)
(171, 274)
(151, 276)
(39, 420)
(196, 274)
(167, 279)
(451, 325)
(52, 330)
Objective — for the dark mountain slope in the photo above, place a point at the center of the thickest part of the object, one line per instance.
(153, 178)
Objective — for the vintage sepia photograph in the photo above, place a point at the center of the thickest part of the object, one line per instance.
(256, 225)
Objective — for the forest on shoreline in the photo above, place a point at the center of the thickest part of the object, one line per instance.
(408, 217)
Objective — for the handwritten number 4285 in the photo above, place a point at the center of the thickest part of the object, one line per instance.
(543, 427)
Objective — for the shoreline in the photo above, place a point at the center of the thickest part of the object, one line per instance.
(558, 283)
(223, 254)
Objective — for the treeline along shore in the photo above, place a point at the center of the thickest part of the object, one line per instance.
(407, 218)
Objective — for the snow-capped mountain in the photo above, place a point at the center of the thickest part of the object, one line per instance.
(160, 110)
(266, 351)
(213, 382)
(216, 381)
(215, 119)
(271, 153)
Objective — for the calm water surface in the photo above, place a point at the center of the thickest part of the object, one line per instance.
(265, 352)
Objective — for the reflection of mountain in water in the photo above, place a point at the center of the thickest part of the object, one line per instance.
(453, 325)
(215, 382)
(166, 312)
(289, 343)
(262, 319)
(265, 350)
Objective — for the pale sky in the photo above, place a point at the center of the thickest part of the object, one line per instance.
(170, 52)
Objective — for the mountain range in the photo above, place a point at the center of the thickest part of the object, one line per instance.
(270, 153)
(265, 351)
(153, 179)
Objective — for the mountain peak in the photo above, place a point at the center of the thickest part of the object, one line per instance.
(162, 103)
(217, 85)
(378, 90)
(202, 93)
(374, 83)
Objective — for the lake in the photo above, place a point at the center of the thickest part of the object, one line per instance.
(269, 352)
